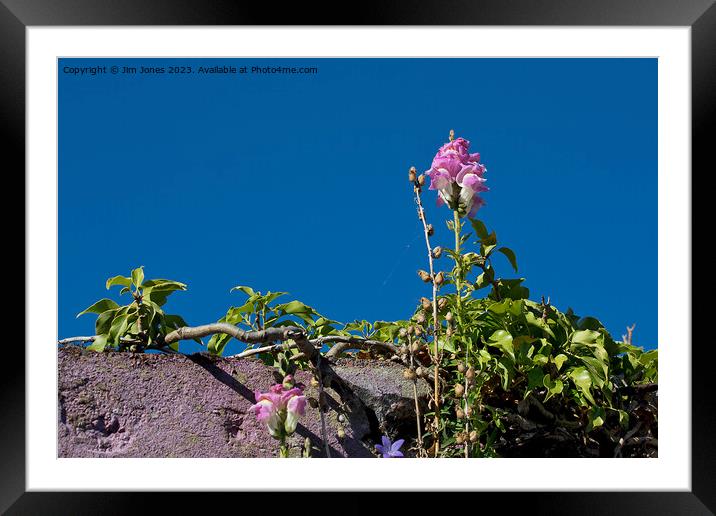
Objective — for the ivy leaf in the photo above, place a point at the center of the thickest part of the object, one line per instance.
(583, 380)
(554, 387)
(534, 378)
(559, 360)
(596, 418)
(586, 337)
(510, 254)
(99, 307)
(502, 340)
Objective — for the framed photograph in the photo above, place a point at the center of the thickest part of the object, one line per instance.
(461, 242)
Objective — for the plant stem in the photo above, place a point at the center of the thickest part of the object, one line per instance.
(458, 290)
(458, 277)
(283, 448)
(418, 417)
(321, 397)
(437, 357)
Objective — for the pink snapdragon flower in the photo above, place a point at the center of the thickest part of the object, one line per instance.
(458, 176)
(280, 408)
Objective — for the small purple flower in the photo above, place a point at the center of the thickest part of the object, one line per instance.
(390, 450)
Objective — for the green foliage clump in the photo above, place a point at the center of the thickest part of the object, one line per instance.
(141, 324)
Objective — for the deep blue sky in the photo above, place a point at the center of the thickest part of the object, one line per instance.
(298, 182)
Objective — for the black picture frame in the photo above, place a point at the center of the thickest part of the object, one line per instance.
(700, 15)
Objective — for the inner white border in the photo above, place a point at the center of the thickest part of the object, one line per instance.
(670, 471)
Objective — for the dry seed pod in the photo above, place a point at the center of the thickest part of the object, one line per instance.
(461, 368)
(420, 318)
(411, 174)
(470, 374)
(424, 276)
(439, 278)
(415, 347)
(448, 332)
(448, 317)
(411, 330)
(403, 332)
(459, 390)
(460, 438)
(473, 436)
(469, 411)
(419, 372)
(421, 179)
(437, 252)
(427, 304)
(409, 374)
(442, 303)
(460, 414)
(431, 229)
(418, 331)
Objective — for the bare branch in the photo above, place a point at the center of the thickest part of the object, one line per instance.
(264, 349)
(92, 338)
(344, 343)
(298, 335)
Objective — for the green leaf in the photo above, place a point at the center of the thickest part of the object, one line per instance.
(118, 328)
(480, 229)
(586, 337)
(296, 308)
(510, 254)
(119, 280)
(486, 249)
(272, 296)
(99, 343)
(540, 359)
(583, 380)
(138, 276)
(217, 343)
(623, 419)
(598, 370)
(502, 340)
(164, 284)
(100, 306)
(246, 290)
(554, 387)
(559, 360)
(104, 320)
(596, 418)
(484, 279)
(537, 322)
(499, 308)
(534, 378)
